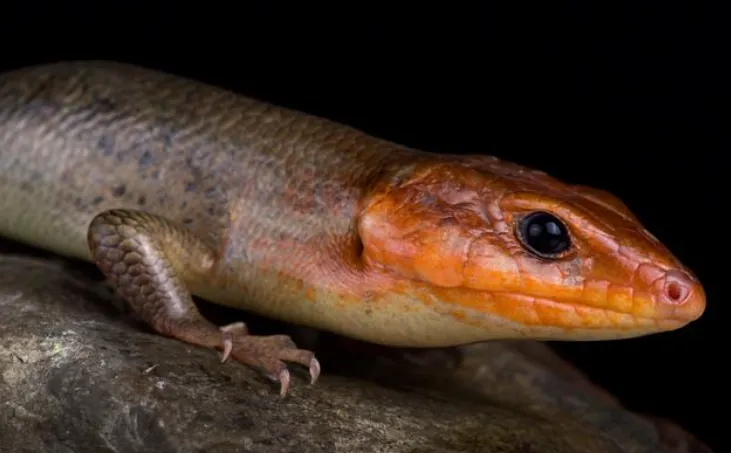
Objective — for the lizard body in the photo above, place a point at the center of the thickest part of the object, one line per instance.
(174, 187)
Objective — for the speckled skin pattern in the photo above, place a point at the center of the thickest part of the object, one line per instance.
(173, 187)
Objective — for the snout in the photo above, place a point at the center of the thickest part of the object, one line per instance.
(679, 296)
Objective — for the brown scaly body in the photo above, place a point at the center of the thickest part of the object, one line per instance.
(175, 187)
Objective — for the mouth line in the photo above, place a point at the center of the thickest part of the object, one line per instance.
(640, 318)
(599, 309)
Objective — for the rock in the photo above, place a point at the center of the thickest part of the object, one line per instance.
(76, 376)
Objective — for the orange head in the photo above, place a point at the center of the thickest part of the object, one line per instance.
(516, 253)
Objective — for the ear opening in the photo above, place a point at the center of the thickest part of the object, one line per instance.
(358, 247)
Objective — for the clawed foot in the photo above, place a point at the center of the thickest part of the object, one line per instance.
(267, 354)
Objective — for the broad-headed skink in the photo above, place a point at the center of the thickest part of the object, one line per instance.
(175, 188)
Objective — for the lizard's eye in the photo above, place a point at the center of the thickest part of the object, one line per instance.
(543, 234)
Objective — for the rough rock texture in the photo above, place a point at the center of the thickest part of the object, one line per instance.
(76, 376)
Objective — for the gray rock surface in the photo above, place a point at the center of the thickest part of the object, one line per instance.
(77, 376)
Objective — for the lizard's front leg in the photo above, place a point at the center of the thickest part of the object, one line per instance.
(148, 260)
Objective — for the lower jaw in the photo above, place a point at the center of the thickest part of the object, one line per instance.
(577, 315)
(553, 320)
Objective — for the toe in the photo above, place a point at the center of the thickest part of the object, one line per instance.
(301, 356)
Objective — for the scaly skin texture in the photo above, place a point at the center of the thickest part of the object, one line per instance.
(173, 187)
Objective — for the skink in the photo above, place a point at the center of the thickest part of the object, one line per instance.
(175, 188)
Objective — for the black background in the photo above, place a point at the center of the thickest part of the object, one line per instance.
(626, 97)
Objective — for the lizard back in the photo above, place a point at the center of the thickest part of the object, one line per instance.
(78, 138)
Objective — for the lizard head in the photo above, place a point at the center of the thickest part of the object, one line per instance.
(516, 252)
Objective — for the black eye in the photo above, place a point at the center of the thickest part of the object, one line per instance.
(543, 234)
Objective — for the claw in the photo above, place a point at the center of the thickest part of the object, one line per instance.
(227, 332)
(314, 370)
(228, 346)
(284, 380)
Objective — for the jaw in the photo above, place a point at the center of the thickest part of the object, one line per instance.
(378, 307)
(439, 317)
(567, 320)
(410, 314)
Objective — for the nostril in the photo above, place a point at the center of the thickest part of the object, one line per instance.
(676, 292)
(677, 288)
